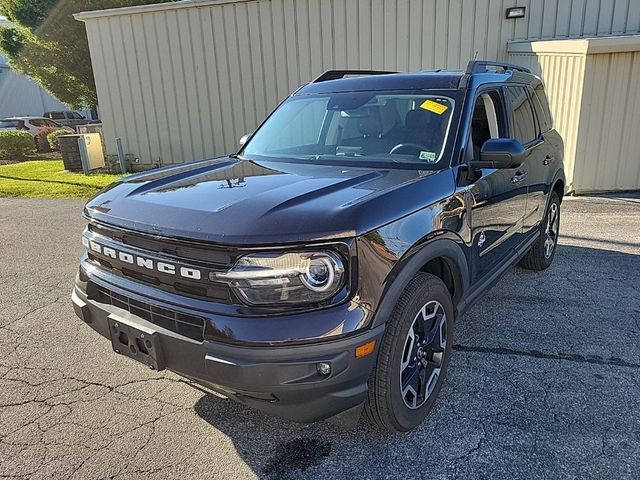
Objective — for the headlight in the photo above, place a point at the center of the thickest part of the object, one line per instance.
(289, 278)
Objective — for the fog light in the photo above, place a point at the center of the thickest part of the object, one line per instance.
(324, 368)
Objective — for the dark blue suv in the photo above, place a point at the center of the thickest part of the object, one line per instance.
(321, 268)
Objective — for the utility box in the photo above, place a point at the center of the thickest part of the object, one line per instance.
(94, 150)
(594, 95)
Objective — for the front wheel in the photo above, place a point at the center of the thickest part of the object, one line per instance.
(541, 254)
(413, 356)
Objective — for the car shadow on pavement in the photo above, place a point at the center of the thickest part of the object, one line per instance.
(499, 338)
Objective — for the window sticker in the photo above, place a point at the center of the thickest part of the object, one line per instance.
(428, 156)
(434, 107)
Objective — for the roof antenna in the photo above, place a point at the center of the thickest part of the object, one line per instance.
(475, 56)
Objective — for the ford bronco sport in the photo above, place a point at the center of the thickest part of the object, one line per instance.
(321, 268)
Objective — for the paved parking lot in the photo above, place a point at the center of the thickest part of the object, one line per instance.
(544, 382)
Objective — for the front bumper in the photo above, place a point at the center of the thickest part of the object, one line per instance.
(279, 380)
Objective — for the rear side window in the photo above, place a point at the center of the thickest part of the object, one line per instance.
(37, 122)
(541, 104)
(523, 125)
(57, 115)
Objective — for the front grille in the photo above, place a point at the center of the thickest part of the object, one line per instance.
(208, 258)
(190, 326)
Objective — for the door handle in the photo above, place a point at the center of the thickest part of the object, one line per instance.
(547, 160)
(518, 177)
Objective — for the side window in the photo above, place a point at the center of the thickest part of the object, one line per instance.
(488, 120)
(523, 125)
(541, 104)
(36, 122)
(57, 115)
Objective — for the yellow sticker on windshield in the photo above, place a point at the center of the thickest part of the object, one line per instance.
(434, 107)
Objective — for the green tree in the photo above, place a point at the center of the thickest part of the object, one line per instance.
(47, 44)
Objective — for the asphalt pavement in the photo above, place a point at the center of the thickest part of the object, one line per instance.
(544, 381)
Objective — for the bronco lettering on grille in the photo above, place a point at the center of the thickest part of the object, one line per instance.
(143, 262)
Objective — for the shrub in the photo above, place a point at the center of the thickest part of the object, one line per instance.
(15, 144)
(52, 138)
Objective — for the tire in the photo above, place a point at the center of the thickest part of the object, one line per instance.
(424, 307)
(542, 252)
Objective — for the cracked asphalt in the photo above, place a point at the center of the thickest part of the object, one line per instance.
(544, 381)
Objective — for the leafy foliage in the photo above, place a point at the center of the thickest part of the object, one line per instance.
(52, 138)
(46, 43)
(15, 144)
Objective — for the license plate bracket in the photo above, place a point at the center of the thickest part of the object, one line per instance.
(136, 341)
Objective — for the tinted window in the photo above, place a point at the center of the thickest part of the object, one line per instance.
(541, 104)
(36, 122)
(523, 126)
(57, 115)
(9, 123)
(74, 115)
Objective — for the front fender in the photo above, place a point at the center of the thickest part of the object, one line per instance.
(402, 270)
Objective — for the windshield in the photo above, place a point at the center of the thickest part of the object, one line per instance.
(399, 127)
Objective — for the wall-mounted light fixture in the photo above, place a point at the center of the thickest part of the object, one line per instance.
(516, 12)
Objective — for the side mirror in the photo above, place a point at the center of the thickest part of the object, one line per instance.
(244, 139)
(500, 153)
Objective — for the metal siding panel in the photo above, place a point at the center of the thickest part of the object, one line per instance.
(633, 17)
(196, 95)
(563, 16)
(494, 49)
(590, 19)
(340, 34)
(428, 33)
(521, 25)
(605, 17)
(187, 82)
(222, 67)
(364, 33)
(101, 75)
(441, 35)
(402, 32)
(124, 113)
(302, 40)
(389, 47)
(620, 14)
(315, 38)
(549, 14)
(576, 17)
(467, 28)
(326, 29)
(454, 32)
(148, 111)
(211, 83)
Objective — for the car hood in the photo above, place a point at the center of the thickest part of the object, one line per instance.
(231, 201)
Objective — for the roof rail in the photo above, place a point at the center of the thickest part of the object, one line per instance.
(480, 66)
(337, 74)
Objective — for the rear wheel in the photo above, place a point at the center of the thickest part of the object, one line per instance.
(413, 357)
(543, 250)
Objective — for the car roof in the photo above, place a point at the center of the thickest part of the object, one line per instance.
(477, 73)
(28, 117)
(440, 80)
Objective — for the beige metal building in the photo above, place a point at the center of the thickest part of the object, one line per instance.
(183, 81)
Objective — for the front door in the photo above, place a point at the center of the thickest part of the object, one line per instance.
(498, 196)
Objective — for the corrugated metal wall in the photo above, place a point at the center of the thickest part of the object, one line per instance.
(608, 147)
(184, 81)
